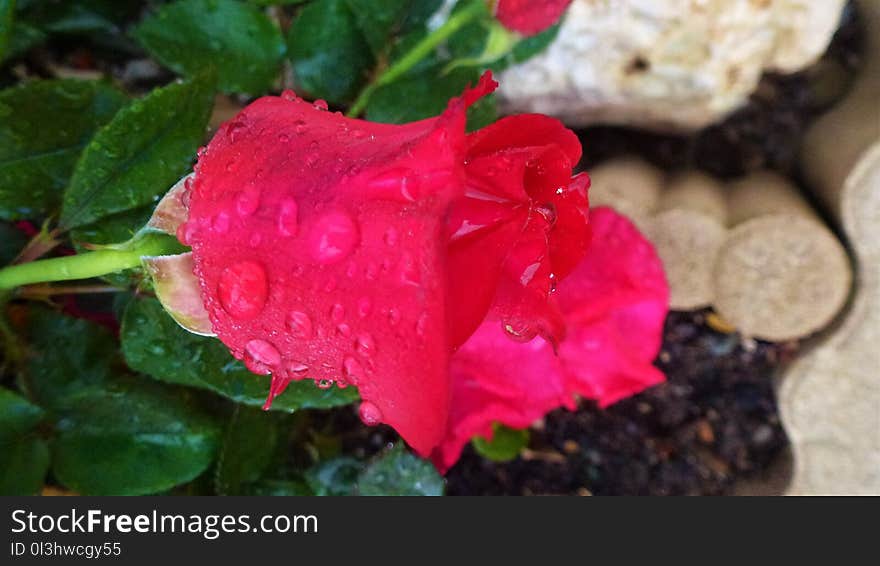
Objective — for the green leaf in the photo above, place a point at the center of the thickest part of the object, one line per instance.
(83, 17)
(419, 95)
(248, 446)
(398, 472)
(331, 57)
(505, 445)
(23, 38)
(44, 126)
(67, 355)
(7, 19)
(144, 150)
(337, 476)
(244, 45)
(527, 48)
(131, 438)
(12, 240)
(24, 456)
(154, 344)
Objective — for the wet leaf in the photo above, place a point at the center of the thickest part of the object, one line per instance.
(140, 153)
(24, 455)
(130, 437)
(331, 58)
(12, 240)
(248, 446)
(7, 19)
(419, 95)
(115, 434)
(244, 45)
(279, 488)
(337, 476)
(154, 344)
(44, 126)
(398, 472)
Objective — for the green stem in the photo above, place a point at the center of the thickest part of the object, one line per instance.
(422, 49)
(87, 265)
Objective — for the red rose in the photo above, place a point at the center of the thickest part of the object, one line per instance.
(357, 253)
(320, 245)
(614, 302)
(530, 17)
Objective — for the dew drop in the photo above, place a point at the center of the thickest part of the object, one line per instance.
(324, 383)
(365, 305)
(288, 224)
(409, 273)
(300, 325)
(391, 237)
(243, 289)
(261, 356)
(185, 233)
(337, 313)
(369, 414)
(256, 239)
(365, 345)
(393, 317)
(283, 138)
(247, 201)
(343, 330)
(352, 370)
(289, 95)
(520, 332)
(221, 222)
(398, 184)
(235, 129)
(333, 237)
(320, 104)
(295, 369)
(300, 127)
(358, 134)
(548, 211)
(422, 324)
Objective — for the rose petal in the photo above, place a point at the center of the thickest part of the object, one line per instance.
(318, 244)
(530, 17)
(614, 304)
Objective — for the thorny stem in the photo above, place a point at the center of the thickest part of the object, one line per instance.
(419, 51)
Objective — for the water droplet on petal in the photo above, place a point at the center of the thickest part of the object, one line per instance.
(352, 370)
(300, 325)
(261, 356)
(358, 134)
(221, 222)
(365, 305)
(337, 313)
(393, 317)
(548, 211)
(235, 130)
(288, 94)
(391, 237)
(369, 414)
(186, 232)
(397, 184)
(320, 104)
(247, 201)
(324, 383)
(256, 239)
(300, 127)
(283, 138)
(295, 369)
(288, 217)
(409, 273)
(520, 332)
(365, 345)
(344, 330)
(243, 289)
(333, 237)
(422, 324)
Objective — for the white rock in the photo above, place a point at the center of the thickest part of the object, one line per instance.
(666, 64)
